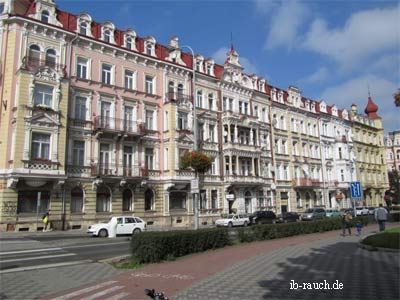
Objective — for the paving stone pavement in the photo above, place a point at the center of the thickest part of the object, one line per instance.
(35, 284)
(364, 274)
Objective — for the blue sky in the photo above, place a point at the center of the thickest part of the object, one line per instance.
(331, 50)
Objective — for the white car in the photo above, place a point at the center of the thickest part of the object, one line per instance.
(125, 225)
(362, 211)
(233, 220)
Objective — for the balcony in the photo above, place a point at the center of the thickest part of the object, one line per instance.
(107, 124)
(244, 179)
(179, 98)
(85, 124)
(79, 171)
(184, 174)
(40, 164)
(112, 170)
(307, 182)
(32, 64)
(149, 173)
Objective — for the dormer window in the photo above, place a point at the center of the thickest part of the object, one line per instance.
(210, 67)
(149, 46)
(128, 43)
(130, 37)
(107, 36)
(108, 32)
(83, 28)
(149, 49)
(45, 16)
(198, 65)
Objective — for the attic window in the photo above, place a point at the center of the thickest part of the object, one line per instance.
(83, 28)
(45, 16)
(107, 35)
(128, 42)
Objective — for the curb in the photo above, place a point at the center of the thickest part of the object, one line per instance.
(115, 259)
(373, 248)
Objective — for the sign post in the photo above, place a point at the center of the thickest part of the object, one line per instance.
(355, 193)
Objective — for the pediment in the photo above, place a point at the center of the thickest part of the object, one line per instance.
(44, 119)
(184, 138)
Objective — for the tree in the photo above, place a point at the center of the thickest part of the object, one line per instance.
(396, 97)
(393, 194)
(197, 161)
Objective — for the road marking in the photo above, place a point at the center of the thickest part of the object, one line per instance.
(37, 257)
(30, 251)
(48, 266)
(118, 296)
(82, 291)
(102, 293)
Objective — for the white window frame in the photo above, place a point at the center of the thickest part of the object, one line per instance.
(44, 94)
(149, 85)
(82, 67)
(106, 74)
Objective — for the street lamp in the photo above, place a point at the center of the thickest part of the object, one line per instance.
(195, 194)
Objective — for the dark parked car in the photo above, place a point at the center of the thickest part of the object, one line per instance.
(263, 217)
(313, 214)
(288, 217)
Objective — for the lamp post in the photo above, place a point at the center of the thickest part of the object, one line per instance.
(195, 194)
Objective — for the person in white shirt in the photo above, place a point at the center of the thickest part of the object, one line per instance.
(381, 217)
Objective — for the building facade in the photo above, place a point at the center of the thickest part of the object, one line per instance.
(94, 121)
(392, 144)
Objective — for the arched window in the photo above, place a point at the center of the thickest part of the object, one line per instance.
(45, 16)
(247, 202)
(127, 200)
(103, 200)
(171, 88)
(34, 55)
(76, 200)
(83, 28)
(199, 99)
(149, 200)
(180, 91)
(107, 35)
(149, 48)
(128, 42)
(51, 58)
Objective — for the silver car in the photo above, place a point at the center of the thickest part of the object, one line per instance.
(313, 214)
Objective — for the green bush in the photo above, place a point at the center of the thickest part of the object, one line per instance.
(387, 239)
(157, 246)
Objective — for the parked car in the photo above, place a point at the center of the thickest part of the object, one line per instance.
(362, 211)
(233, 220)
(371, 210)
(125, 225)
(288, 217)
(313, 214)
(263, 217)
(332, 213)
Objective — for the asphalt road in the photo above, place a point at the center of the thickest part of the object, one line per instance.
(37, 252)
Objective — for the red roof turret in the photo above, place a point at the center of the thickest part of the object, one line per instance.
(371, 109)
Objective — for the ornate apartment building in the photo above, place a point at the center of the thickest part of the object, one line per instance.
(94, 121)
(392, 143)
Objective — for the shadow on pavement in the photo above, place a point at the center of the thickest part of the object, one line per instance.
(364, 275)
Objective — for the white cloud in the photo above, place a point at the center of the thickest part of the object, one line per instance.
(220, 56)
(356, 91)
(365, 33)
(388, 63)
(285, 24)
(265, 6)
(320, 75)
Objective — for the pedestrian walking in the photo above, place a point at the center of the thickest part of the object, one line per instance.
(346, 222)
(46, 220)
(381, 215)
(359, 228)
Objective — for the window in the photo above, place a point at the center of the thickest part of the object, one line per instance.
(247, 202)
(180, 91)
(340, 152)
(80, 108)
(83, 28)
(128, 161)
(255, 111)
(127, 202)
(51, 58)
(76, 200)
(171, 89)
(211, 132)
(128, 43)
(45, 16)
(210, 101)
(40, 146)
(106, 74)
(203, 199)
(149, 84)
(149, 48)
(78, 153)
(177, 200)
(105, 158)
(149, 159)
(107, 36)
(1, 8)
(209, 69)
(81, 68)
(199, 99)
(230, 104)
(198, 64)
(246, 108)
(103, 200)
(43, 95)
(214, 199)
(33, 201)
(149, 200)
(34, 55)
(182, 120)
(149, 119)
(342, 175)
(129, 76)
(240, 107)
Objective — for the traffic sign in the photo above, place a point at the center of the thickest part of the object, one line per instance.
(194, 186)
(355, 189)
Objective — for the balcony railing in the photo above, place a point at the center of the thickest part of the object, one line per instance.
(307, 182)
(244, 179)
(32, 64)
(121, 125)
(80, 123)
(79, 171)
(40, 164)
(177, 97)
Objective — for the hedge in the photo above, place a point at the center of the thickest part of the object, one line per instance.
(387, 239)
(157, 246)
(149, 247)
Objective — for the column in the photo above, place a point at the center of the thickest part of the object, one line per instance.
(235, 133)
(26, 142)
(252, 167)
(54, 155)
(237, 164)
(258, 137)
(229, 133)
(230, 164)
(251, 137)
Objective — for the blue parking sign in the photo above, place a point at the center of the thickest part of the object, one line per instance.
(355, 189)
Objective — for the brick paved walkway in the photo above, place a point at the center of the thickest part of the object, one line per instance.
(260, 270)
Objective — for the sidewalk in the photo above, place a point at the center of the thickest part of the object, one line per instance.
(240, 272)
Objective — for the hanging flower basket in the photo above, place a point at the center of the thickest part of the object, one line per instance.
(197, 161)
